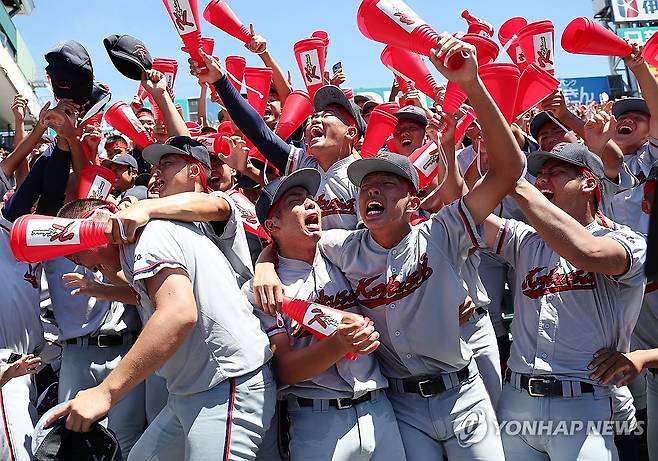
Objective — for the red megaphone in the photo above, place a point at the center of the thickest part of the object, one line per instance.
(392, 22)
(535, 85)
(36, 238)
(169, 67)
(235, 66)
(537, 41)
(310, 56)
(258, 81)
(411, 66)
(221, 145)
(453, 98)
(220, 15)
(486, 49)
(226, 128)
(389, 107)
(185, 16)
(502, 82)
(298, 107)
(95, 182)
(463, 124)
(403, 83)
(424, 159)
(477, 26)
(508, 35)
(247, 212)
(650, 51)
(584, 36)
(324, 36)
(121, 117)
(380, 126)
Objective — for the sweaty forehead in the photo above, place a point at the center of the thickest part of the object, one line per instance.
(634, 114)
(555, 163)
(340, 112)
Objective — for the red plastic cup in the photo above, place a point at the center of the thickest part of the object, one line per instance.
(537, 40)
(310, 57)
(389, 107)
(453, 98)
(142, 94)
(36, 238)
(258, 81)
(185, 16)
(650, 51)
(412, 67)
(298, 107)
(508, 36)
(121, 117)
(235, 66)
(226, 128)
(220, 15)
(95, 182)
(247, 212)
(584, 36)
(380, 126)
(349, 93)
(221, 145)
(487, 49)
(324, 36)
(392, 22)
(535, 85)
(403, 83)
(463, 124)
(502, 82)
(169, 67)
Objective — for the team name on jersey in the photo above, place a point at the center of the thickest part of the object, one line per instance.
(536, 285)
(341, 300)
(30, 276)
(392, 290)
(335, 206)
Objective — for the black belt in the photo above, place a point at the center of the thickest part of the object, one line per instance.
(101, 340)
(341, 404)
(545, 386)
(432, 386)
(654, 371)
(480, 310)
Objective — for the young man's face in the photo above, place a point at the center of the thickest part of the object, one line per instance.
(385, 198)
(296, 217)
(125, 176)
(561, 183)
(172, 176)
(221, 175)
(95, 259)
(272, 111)
(408, 136)
(550, 135)
(148, 122)
(115, 148)
(328, 129)
(632, 131)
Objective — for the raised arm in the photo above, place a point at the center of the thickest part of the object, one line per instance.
(13, 161)
(506, 161)
(258, 45)
(648, 85)
(156, 84)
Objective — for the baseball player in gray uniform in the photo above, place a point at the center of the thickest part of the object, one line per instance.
(322, 388)
(213, 358)
(21, 334)
(567, 268)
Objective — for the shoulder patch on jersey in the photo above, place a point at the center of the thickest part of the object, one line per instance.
(535, 285)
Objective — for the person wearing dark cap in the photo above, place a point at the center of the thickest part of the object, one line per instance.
(577, 287)
(410, 279)
(548, 133)
(124, 167)
(115, 144)
(409, 133)
(333, 130)
(367, 109)
(316, 374)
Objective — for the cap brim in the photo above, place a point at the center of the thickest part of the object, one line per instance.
(307, 178)
(537, 159)
(630, 105)
(361, 168)
(330, 94)
(155, 152)
(413, 117)
(537, 122)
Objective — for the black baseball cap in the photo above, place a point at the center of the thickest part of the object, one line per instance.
(70, 71)
(57, 443)
(383, 162)
(413, 113)
(330, 94)
(245, 182)
(653, 173)
(121, 159)
(100, 96)
(570, 152)
(308, 178)
(538, 121)
(180, 145)
(630, 105)
(129, 55)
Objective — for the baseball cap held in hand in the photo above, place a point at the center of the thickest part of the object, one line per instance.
(70, 71)
(128, 55)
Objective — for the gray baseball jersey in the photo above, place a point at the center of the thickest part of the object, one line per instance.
(627, 204)
(5, 184)
(412, 291)
(227, 341)
(322, 283)
(337, 196)
(645, 335)
(562, 314)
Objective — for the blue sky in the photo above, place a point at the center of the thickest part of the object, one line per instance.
(282, 22)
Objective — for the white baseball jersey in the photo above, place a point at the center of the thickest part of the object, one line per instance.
(83, 315)
(6, 184)
(20, 326)
(412, 291)
(645, 335)
(322, 283)
(227, 340)
(627, 205)
(337, 196)
(562, 314)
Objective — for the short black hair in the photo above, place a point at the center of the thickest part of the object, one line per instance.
(115, 138)
(208, 129)
(142, 179)
(77, 209)
(146, 110)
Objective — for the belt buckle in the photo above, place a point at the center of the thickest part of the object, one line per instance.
(532, 393)
(341, 406)
(99, 341)
(421, 391)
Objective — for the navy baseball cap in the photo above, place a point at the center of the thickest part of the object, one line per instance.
(383, 162)
(308, 178)
(412, 113)
(630, 105)
(70, 71)
(100, 96)
(330, 94)
(129, 55)
(538, 121)
(57, 443)
(180, 145)
(570, 152)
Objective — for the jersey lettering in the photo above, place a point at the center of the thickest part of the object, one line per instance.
(335, 206)
(535, 285)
